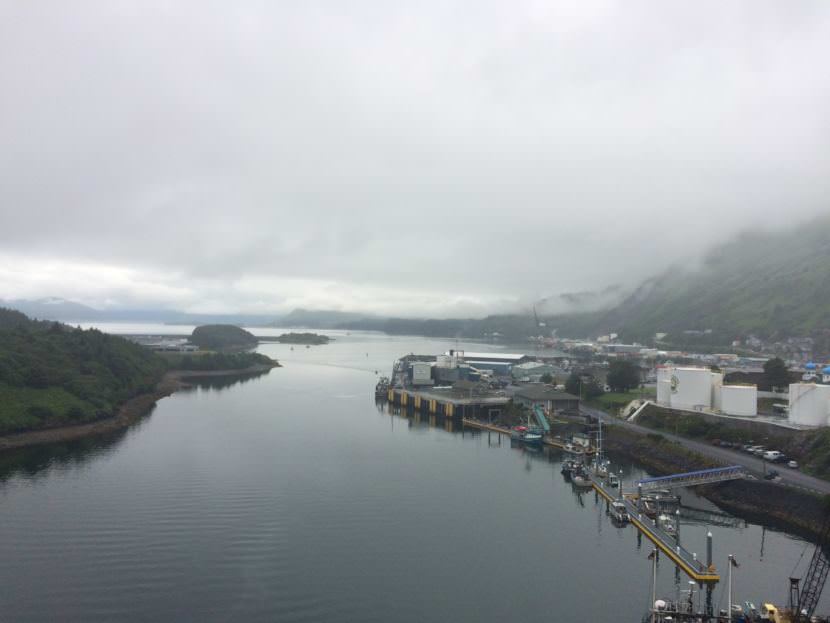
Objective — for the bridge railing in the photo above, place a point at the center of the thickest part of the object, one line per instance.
(699, 477)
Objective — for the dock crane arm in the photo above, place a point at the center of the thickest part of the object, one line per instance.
(816, 577)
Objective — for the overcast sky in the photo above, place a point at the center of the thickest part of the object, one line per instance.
(414, 158)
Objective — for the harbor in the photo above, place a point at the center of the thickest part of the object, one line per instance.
(632, 505)
(648, 505)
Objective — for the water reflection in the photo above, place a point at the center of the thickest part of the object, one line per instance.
(34, 461)
(195, 383)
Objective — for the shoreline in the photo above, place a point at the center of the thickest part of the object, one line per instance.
(127, 413)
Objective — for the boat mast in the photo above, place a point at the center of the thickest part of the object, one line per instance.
(729, 590)
(653, 557)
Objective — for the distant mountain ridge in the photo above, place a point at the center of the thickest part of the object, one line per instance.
(767, 284)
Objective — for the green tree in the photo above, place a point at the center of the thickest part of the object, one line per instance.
(776, 373)
(592, 389)
(583, 385)
(547, 377)
(572, 384)
(623, 376)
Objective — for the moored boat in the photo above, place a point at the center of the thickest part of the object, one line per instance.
(568, 466)
(573, 449)
(618, 512)
(581, 478)
(382, 387)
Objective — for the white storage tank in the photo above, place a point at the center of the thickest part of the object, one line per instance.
(664, 373)
(664, 393)
(717, 384)
(739, 400)
(691, 388)
(809, 404)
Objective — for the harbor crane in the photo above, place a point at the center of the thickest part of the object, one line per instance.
(812, 583)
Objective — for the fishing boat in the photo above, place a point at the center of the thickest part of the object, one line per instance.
(568, 466)
(581, 478)
(573, 449)
(517, 433)
(618, 512)
(527, 436)
(659, 501)
(382, 387)
(533, 437)
(601, 469)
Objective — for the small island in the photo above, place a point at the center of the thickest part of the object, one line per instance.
(313, 339)
(222, 337)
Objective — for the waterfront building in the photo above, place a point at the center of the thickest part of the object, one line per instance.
(547, 397)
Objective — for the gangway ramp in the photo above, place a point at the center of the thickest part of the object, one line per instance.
(540, 417)
(692, 479)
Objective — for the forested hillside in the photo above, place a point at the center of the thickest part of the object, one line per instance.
(222, 337)
(52, 374)
(766, 284)
(772, 285)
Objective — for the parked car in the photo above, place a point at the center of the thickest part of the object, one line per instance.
(772, 475)
(782, 458)
(793, 464)
(747, 447)
(771, 455)
(759, 450)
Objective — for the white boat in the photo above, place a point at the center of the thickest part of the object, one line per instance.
(580, 478)
(572, 449)
(666, 524)
(618, 512)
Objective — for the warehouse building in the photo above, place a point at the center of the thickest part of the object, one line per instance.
(546, 397)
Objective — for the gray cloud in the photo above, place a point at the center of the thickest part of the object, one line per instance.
(430, 157)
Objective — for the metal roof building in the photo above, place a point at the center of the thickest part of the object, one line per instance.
(513, 358)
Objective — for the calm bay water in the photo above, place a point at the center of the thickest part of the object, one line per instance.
(293, 497)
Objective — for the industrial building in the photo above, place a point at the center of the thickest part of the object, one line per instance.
(546, 397)
(700, 389)
(505, 358)
(423, 370)
(533, 371)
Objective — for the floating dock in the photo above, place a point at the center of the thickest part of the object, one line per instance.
(551, 442)
(685, 560)
(450, 408)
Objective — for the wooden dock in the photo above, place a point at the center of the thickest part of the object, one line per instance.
(551, 442)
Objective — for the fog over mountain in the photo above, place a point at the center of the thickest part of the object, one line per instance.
(449, 159)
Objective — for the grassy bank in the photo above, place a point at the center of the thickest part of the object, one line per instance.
(612, 402)
(810, 448)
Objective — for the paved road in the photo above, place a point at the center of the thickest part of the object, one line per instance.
(789, 477)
